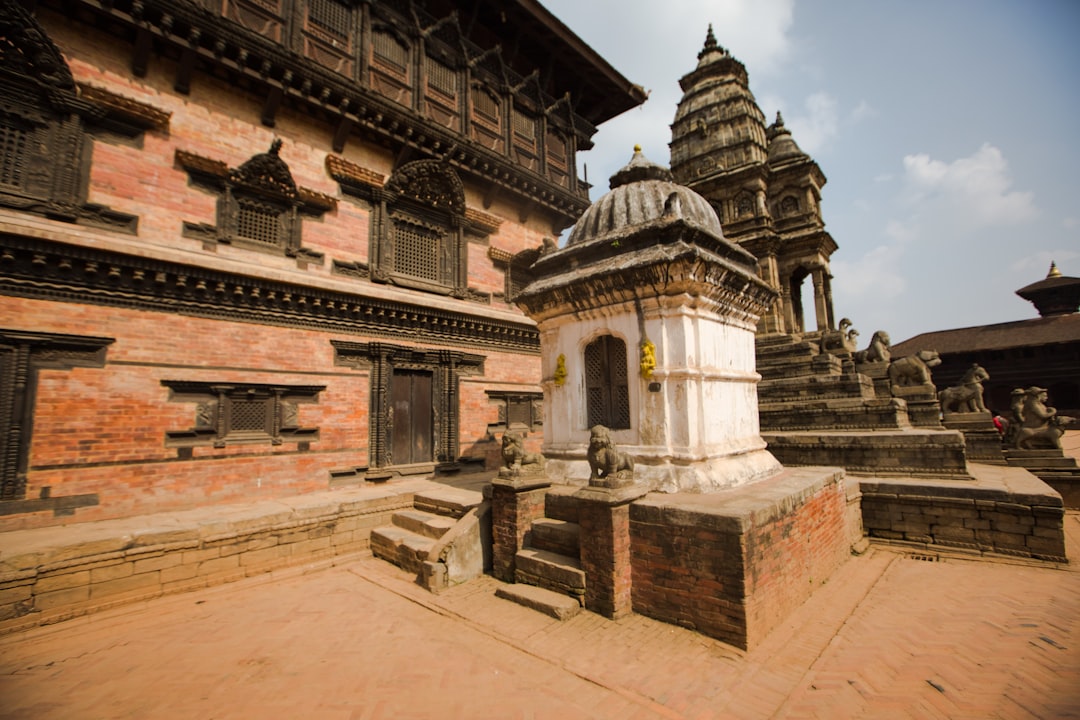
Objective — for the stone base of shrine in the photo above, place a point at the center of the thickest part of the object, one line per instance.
(734, 564)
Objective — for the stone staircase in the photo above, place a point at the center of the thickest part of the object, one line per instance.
(442, 538)
(548, 574)
(821, 408)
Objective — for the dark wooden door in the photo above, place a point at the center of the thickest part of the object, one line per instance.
(411, 426)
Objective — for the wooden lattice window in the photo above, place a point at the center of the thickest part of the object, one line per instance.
(524, 128)
(242, 413)
(518, 411)
(417, 250)
(486, 117)
(442, 79)
(486, 107)
(329, 15)
(14, 141)
(607, 392)
(259, 223)
(328, 34)
(389, 54)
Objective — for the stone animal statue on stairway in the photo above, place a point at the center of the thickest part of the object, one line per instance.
(913, 369)
(878, 351)
(604, 458)
(514, 455)
(967, 397)
(1034, 424)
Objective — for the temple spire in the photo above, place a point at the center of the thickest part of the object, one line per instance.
(710, 44)
(1054, 272)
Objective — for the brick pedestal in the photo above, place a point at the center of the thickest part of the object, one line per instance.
(605, 547)
(515, 503)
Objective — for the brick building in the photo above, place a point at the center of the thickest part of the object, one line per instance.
(256, 248)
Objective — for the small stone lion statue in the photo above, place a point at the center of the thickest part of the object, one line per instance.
(514, 455)
(1035, 425)
(878, 351)
(967, 397)
(913, 369)
(604, 459)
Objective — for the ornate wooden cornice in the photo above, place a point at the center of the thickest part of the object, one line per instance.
(45, 270)
(125, 110)
(196, 37)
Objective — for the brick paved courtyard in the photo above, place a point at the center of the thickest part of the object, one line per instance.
(889, 636)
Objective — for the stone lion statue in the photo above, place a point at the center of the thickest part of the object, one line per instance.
(1035, 425)
(878, 351)
(604, 458)
(913, 369)
(968, 395)
(514, 455)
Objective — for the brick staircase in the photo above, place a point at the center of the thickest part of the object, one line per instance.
(548, 574)
(442, 538)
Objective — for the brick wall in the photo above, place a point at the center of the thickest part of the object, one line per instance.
(732, 565)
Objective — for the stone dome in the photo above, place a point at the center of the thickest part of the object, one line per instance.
(642, 192)
(781, 145)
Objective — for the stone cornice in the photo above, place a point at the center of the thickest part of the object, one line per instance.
(47, 270)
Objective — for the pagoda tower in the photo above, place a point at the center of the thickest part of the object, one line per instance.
(764, 188)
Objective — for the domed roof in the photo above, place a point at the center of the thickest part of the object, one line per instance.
(642, 192)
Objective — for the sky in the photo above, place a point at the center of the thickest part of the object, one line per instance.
(946, 130)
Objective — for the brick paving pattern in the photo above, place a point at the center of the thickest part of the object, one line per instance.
(888, 636)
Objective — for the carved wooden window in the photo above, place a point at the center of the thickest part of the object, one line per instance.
(328, 35)
(524, 128)
(390, 67)
(486, 119)
(518, 411)
(418, 239)
(414, 415)
(558, 154)
(259, 205)
(242, 413)
(607, 393)
(22, 355)
(15, 138)
(441, 93)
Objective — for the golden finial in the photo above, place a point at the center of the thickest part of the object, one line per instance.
(1054, 272)
(637, 148)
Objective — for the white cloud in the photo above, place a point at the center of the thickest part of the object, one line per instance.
(863, 111)
(974, 191)
(817, 124)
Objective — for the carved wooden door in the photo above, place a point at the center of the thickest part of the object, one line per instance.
(411, 420)
(606, 391)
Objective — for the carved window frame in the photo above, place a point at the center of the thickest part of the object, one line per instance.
(242, 414)
(22, 355)
(607, 386)
(447, 368)
(422, 200)
(518, 411)
(259, 205)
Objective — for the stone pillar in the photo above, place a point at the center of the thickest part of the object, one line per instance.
(821, 306)
(605, 546)
(515, 503)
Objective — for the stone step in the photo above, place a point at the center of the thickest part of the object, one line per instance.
(815, 387)
(423, 523)
(930, 453)
(449, 501)
(557, 536)
(553, 571)
(401, 547)
(560, 503)
(558, 605)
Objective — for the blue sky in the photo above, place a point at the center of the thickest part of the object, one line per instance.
(946, 129)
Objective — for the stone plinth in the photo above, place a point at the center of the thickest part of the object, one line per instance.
(924, 410)
(516, 501)
(1053, 467)
(733, 564)
(981, 438)
(918, 451)
(1003, 511)
(604, 516)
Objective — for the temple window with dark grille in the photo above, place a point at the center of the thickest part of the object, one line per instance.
(486, 118)
(518, 411)
(607, 392)
(418, 236)
(390, 67)
(242, 413)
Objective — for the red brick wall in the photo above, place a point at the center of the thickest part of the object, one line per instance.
(102, 430)
(735, 577)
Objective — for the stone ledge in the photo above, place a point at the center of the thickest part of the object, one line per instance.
(52, 574)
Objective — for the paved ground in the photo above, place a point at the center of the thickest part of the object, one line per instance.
(889, 636)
